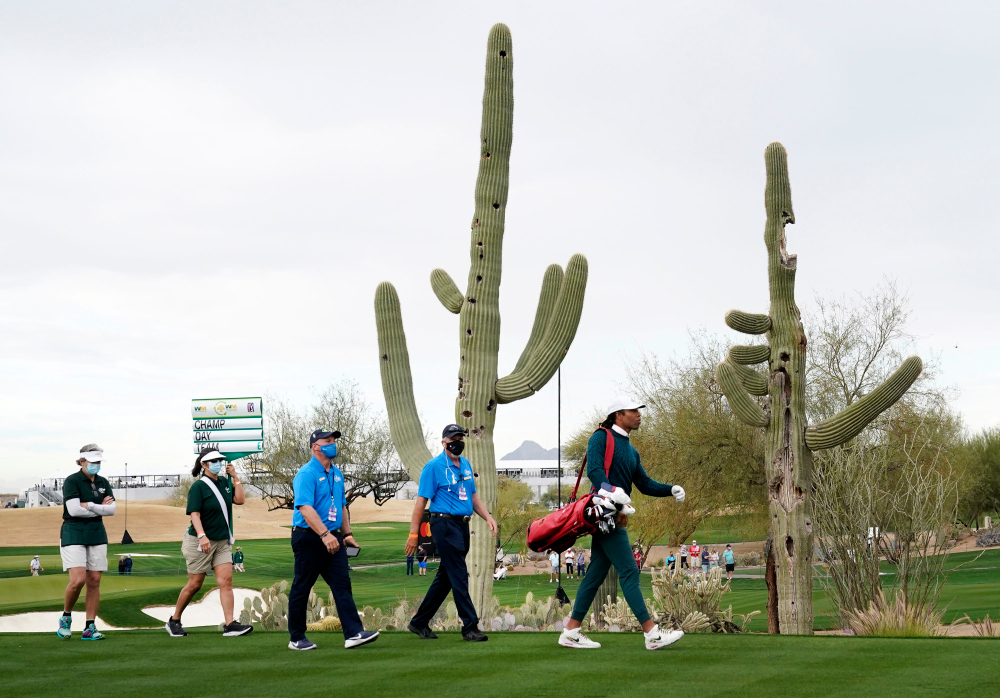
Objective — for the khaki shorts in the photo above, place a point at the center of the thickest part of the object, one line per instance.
(200, 563)
(93, 557)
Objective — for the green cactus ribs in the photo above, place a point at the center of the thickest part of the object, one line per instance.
(776, 402)
(480, 388)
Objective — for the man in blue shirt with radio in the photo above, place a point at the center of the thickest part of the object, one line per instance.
(449, 483)
(320, 530)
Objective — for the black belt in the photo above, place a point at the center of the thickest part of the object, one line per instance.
(309, 530)
(453, 517)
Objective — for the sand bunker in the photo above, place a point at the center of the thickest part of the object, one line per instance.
(156, 522)
(47, 622)
(207, 612)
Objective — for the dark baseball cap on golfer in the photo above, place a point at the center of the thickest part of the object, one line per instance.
(323, 434)
(453, 430)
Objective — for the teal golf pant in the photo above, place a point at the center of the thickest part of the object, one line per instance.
(605, 551)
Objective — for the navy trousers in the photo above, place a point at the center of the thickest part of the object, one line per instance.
(313, 560)
(451, 538)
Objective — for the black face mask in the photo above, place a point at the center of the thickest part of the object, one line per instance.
(455, 447)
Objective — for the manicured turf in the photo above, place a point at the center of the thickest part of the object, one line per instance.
(150, 663)
(973, 588)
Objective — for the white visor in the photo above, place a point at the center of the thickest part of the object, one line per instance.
(212, 455)
(93, 456)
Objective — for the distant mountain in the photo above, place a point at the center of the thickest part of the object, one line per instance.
(529, 450)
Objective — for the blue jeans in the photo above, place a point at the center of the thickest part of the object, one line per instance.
(313, 560)
(451, 539)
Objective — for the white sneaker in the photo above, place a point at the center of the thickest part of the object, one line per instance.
(656, 639)
(574, 638)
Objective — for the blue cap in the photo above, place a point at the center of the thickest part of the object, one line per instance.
(453, 430)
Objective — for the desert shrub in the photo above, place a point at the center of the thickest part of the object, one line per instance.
(179, 497)
(981, 628)
(989, 538)
(895, 618)
(750, 559)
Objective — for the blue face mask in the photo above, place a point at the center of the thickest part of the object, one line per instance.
(329, 450)
(216, 467)
(93, 468)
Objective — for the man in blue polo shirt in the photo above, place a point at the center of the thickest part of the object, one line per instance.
(448, 482)
(320, 530)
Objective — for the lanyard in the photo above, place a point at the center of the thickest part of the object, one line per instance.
(448, 467)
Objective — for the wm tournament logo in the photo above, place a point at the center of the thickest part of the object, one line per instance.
(220, 409)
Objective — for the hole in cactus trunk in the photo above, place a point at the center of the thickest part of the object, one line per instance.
(496, 206)
(503, 54)
(784, 356)
(479, 279)
(472, 301)
(468, 332)
(385, 357)
(790, 546)
(467, 414)
(487, 156)
(490, 405)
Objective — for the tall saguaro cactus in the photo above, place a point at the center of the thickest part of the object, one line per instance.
(480, 389)
(789, 441)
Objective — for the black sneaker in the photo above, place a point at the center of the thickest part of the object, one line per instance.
(236, 628)
(474, 636)
(175, 629)
(424, 633)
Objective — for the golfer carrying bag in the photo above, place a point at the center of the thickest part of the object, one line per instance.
(612, 547)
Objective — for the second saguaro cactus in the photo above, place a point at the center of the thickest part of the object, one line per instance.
(480, 389)
(789, 440)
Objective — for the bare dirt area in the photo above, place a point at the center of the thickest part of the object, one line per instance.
(157, 522)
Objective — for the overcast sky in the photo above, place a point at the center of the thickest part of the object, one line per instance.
(198, 199)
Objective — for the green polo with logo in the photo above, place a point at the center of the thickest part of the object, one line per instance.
(202, 499)
(78, 530)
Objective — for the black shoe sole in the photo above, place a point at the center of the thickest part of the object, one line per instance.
(430, 635)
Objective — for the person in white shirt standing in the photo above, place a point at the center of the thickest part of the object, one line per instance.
(553, 564)
(36, 566)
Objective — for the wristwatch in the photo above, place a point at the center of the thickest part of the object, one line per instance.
(200, 536)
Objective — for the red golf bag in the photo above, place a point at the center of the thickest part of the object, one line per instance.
(560, 529)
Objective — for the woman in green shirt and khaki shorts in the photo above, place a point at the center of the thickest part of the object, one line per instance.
(207, 544)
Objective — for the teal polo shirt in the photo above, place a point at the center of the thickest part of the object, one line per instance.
(322, 490)
(449, 487)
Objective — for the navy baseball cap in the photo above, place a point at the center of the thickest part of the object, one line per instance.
(453, 430)
(323, 434)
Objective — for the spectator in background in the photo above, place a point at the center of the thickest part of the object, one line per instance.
(637, 554)
(409, 565)
(238, 560)
(36, 566)
(121, 565)
(128, 564)
(730, 560)
(422, 561)
(695, 552)
(501, 572)
(704, 562)
(671, 562)
(684, 557)
(554, 562)
(581, 564)
(713, 559)
(570, 560)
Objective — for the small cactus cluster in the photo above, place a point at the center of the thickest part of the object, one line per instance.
(270, 609)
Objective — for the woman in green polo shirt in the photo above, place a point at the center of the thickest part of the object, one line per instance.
(208, 541)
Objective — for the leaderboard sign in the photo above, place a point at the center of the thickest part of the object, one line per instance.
(232, 426)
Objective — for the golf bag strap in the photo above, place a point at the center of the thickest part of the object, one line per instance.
(222, 505)
(609, 452)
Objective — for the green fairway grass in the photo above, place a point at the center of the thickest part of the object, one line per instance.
(379, 580)
(151, 663)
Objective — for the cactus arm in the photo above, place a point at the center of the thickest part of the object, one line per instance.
(748, 323)
(743, 406)
(847, 424)
(446, 291)
(397, 382)
(754, 383)
(551, 284)
(563, 322)
(749, 355)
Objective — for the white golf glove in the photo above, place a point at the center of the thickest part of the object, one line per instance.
(678, 493)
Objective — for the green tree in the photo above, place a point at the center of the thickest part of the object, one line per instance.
(980, 475)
